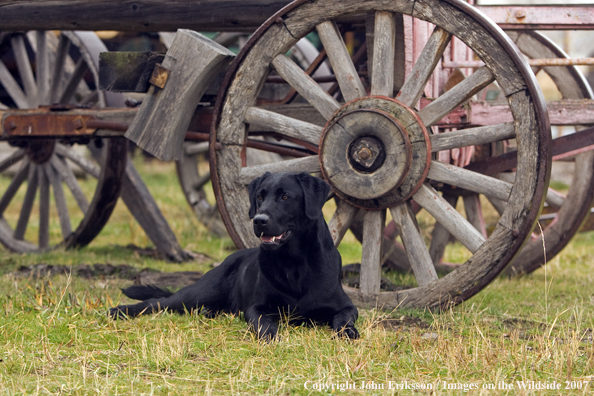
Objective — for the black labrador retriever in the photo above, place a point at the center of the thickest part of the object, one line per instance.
(295, 272)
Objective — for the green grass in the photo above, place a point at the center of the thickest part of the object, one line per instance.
(55, 336)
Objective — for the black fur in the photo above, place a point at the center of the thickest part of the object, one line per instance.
(296, 275)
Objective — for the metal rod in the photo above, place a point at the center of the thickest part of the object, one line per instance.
(531, 62)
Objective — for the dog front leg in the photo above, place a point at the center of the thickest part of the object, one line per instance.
(343, 323)
(261, 323)
(143, 308)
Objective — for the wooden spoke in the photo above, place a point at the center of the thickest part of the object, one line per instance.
(58, 70)
(472, 136)
(440, 236)
(196, 148)
(459, 94)
(12, 159)
(42, 67)
(44, 206)
(344, 69)
(414, 244)
(205, 178)
(373, 232)
(68, 176)
(93, 97)
(384, 44)
(61, 205)
(474, 213)
(453, 221)
(25, 71)
(14, 185)
(21, 227)
(307, 164)
(498, 204)
(554, 198)
(306, 86)
(13, 88)
(79, 160)
(79, 72)
(341, 220)
(265, 120)
(469, 180)
(415, 83)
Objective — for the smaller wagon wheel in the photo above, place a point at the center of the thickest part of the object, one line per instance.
(376, 149)
(48, 70)
(573, 208)
(192, 169)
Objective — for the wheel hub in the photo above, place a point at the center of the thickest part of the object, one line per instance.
(375, 152)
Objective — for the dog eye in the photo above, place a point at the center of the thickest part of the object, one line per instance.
(259, 197)
(285, 197)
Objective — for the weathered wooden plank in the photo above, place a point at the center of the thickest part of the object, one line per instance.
(44, 206)
(384, 44)
(61, 205)
(469, 180)
(143, 207)
(472, 137)
(341, 220)
(414, 244)
(457, 95)
(415, 83)
(14, 185)
(264, 120)
(165, 114)
(306, 164)
(373, 235)
(350, 84)
(443, 212)
(138, 16)
(474, 213)
(23, 221)
(306, 86)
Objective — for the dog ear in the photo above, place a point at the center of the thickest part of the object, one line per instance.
(315, 193)
(253, 192)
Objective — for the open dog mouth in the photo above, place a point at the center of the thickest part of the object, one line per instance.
(275, 239)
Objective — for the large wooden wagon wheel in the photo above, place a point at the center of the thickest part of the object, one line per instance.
(571, 210)
(192, 169)
(55, 70)
(376, 150)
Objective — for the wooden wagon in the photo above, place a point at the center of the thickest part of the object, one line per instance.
(380, 134)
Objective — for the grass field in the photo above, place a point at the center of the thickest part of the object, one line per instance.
(514, 337)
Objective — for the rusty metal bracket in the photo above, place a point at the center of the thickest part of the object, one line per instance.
(36, 125)
(159, 76)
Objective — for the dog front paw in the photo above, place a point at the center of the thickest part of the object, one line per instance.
(117, 313)
(349, 332)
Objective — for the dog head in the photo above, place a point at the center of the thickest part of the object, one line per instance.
(282, 204)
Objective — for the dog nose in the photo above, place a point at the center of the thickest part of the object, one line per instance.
(261, 220)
